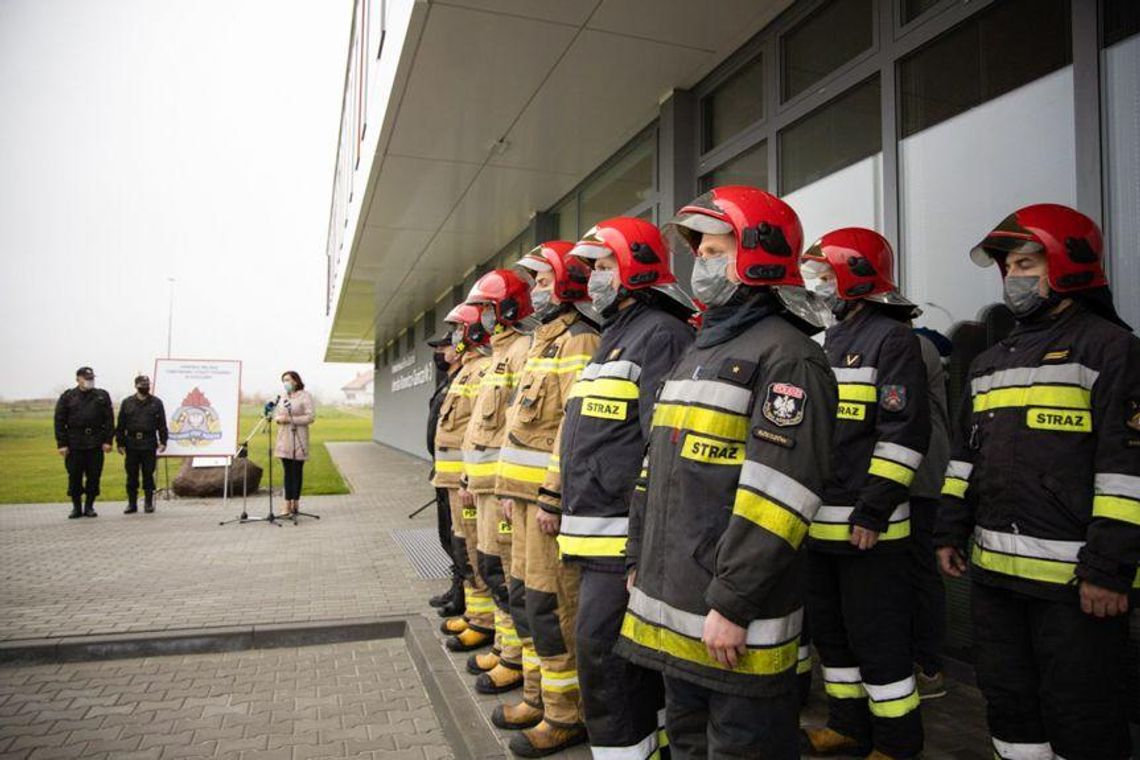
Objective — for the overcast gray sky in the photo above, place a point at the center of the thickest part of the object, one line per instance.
(147, 139)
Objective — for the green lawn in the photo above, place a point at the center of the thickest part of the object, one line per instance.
(31, 471)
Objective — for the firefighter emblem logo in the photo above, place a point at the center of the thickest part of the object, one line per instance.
(195, 421)
(893, 398)
(784, 404)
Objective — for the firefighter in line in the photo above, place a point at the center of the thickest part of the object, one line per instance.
(859, 582)
(738, 453)
(543, 592)
(472, 344)
(451, 602)
(602, 444)
(1045, 480)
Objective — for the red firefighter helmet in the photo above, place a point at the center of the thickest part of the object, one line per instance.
(507, 292)
(1071, 242)
(644, 261)
(863, 263)
(767, 231)
(466, 317)
(571, 274)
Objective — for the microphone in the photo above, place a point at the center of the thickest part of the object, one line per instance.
(271, 405)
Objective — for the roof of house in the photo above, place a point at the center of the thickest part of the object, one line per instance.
(360, 382)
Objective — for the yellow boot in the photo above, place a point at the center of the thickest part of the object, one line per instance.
(453, 626)
(516, 717)
(829, 743)
(499, 679)
(469, 639)
(546, 739)
(478, 664)
(877, 755)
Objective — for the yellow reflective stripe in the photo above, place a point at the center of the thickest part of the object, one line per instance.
(1117, 508)
(522, 472)
(505, 378)
(955, 487)
(756, 661)
(894, 708)
(858, 392)
(733, 427)
(559, 681)
(1031, 568)
(770, 516)
(845, 690)
(446, 466)
(842, 532)
(607, 387)
(803, 666)
(480, 469)
(592, 546)
(1034, 395)
(885, 468)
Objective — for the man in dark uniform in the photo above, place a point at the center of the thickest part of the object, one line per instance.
(450, 602)
(141, 435)
(84, 427)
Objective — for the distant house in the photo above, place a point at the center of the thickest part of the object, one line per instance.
(358, 392)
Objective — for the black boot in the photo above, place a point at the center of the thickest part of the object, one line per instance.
(456, 606)
(447, 597)
(148, 505)
(132, 503)
(89, 508)
(76, 509)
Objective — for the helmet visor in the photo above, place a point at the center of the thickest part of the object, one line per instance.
(532, 263)
(995, 245)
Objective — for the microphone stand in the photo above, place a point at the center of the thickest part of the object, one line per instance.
(243, 453)
(293, 429)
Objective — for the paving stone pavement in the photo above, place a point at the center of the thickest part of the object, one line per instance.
(179, 569)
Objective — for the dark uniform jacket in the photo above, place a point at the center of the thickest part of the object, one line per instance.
(84, 419)
(142, 423)
(1045, 472)
(605, 432)
(442, 383)
(882, 431)
(738, 453)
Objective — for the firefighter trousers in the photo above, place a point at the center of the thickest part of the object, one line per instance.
(623, 703)
(861, 610)
(480, 614)
(531, 665)
(494, 560)
(704, 724)
(551, 607)
(1053, 677)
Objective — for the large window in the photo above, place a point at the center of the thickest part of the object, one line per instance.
(836, 135)
(1011, 43)
(629, 183)
(734, 105)
(829, 38)
(912, 9)
(749, 168)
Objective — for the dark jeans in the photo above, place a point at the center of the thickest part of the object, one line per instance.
(84, 465)
(143, 460)
(443, 520)
(929, 623)
(294, 475)
(702, 723)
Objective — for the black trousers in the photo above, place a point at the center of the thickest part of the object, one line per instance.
(860, 607)
(140, 460)
(702, 723)
(84, 469)
(621, 701)
(1050, 675)
(294, 476)
(443, 524)
(929, 591)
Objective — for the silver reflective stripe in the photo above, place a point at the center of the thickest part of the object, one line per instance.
(959, 469)
(803, 653)
(1063, 374)
(896, 453)
(1027, 546)
(889, 691)
(448, 455)
(640, 751)
(761, 633)
(575, 525)
(1116, 484)
(842, 675)
(780, 487)
(842, 515)
(622, 370)
(730, 398)
(524, 457)
(866, 375)
(1023, 750)
(474, 456)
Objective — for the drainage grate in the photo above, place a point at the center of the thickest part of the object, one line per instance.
(421, 547)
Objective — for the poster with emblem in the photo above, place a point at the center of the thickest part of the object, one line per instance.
(201, 397)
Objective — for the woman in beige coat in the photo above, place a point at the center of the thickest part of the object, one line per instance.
(293, 415)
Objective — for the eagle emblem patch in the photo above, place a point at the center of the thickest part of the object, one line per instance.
(784, 404)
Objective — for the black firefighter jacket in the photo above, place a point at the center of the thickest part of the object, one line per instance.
(84, 419)
(142, 423)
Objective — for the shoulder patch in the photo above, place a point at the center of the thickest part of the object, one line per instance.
(613, 355)
(893, 398)
(739, 371)
(767, 435)
(550, 351)
(852, 360)
(1056, 355)
(784, 404)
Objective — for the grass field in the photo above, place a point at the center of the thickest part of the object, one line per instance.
(31, 471)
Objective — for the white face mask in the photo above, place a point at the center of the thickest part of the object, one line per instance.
(488, 319)
(289, 387)
(710, 280)
(541, 301)
(601, 289)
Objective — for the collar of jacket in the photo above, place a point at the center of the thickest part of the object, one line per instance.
(555, 327)
(624, 316)
(746, 307)
(500, 340)
(1046, 321)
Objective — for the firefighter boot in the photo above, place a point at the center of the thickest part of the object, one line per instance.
(516, 717)
(132, 503)
(453, 626)
(478, 664)
(546, 739)
(827, 742)
(498, 680)
(76, 508)
(148, 503)
(447, 597)
(468, 640)
(89, 507)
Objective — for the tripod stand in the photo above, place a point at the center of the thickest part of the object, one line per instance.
(243, 453)
(293, 429)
